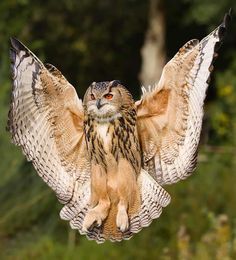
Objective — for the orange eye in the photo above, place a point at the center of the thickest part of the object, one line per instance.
(108, 96)
(92, 96)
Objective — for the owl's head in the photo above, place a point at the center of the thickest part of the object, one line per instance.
(107, 100)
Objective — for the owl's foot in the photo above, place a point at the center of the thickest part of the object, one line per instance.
(95, 216)
(122, 219)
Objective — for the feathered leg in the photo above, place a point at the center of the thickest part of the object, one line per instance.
(127, 190)
(99, 202)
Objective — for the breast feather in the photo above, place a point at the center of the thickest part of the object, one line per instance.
(102, 131)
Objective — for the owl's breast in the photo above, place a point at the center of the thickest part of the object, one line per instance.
(113, 140)
(104, 135)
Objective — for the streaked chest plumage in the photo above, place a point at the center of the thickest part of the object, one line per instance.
(104, 134)
(117, 138)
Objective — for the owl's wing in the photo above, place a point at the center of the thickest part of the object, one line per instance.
(169, 116)
(46, 121)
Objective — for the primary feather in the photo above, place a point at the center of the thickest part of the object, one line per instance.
(170, 115)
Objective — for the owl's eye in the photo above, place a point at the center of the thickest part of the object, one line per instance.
(108, 96)
(92, 96)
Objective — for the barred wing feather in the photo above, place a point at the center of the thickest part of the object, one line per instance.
(46, 120)
(169, 116)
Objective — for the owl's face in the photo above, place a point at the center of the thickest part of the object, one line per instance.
(104, 100)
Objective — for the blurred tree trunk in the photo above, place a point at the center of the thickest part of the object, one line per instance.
(153, 50)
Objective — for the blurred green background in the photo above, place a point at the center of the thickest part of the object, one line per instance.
(90, 41)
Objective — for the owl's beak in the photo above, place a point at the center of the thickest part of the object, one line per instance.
(98, 103)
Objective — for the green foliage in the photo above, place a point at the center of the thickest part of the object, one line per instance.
(97, 40)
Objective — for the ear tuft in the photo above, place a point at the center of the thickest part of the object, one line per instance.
(115, 83)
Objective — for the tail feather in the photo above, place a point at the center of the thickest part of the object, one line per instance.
(153, 199)
(76, 210)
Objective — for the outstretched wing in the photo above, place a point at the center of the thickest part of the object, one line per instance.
(46, 121)
(169, 116)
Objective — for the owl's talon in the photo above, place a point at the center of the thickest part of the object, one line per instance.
(99, 223)
(122, 220)
(94, 217)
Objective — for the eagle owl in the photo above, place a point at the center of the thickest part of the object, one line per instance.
(107, 157)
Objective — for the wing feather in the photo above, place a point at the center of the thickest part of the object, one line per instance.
(169, 116)
(46, 121)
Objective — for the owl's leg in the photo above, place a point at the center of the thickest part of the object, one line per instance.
(99, 202)
(126, 184)
(122, 219)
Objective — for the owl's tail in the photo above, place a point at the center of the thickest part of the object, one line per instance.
(153, 199)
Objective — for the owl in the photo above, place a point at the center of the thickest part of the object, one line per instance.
(107, 157)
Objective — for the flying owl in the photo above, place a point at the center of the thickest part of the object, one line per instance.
(107, 157)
